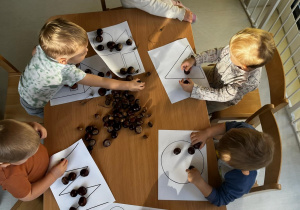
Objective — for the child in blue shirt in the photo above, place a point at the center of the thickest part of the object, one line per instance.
(241, 151)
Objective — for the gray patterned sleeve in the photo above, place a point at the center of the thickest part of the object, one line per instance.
(208, 56)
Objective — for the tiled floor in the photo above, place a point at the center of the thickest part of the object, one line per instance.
(218, 20)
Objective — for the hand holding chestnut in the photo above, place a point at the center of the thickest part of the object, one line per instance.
(188, 63)
(187, 87)
(136, 85)
(59, 169)
(194, 175)
(200, 136)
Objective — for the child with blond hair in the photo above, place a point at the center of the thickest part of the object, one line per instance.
(62, 44)
(24, 160)
(241, 151)
(237, 70)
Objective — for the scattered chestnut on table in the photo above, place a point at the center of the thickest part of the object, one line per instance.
(106, 143)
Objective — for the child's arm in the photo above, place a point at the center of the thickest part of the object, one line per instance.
(93, 80)
(195, 177)
(39, 187)
(208, 133)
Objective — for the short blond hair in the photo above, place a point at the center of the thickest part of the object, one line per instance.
(247, 149)
(61, 37)
(18, 141)
(252, 47)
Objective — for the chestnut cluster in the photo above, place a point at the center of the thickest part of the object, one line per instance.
(88, 137)
(191, 149)
(100, 74)
(127, 113)
(80, 191)
(72, 176)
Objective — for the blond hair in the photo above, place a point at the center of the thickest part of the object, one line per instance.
(246, 149)
(252, 47)
(18, 141)
(61, 37)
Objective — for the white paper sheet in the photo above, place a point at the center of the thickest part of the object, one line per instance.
(172, 177)
(67, 95)
(98, 193)
(119, 206)
(167, 61)
(115, 60)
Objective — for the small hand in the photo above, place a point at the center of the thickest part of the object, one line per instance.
(39, 128)
(136, 85)
(188, 16)
(187, 87)
(193, 175)
(188, 63)
(200, 136)
(59, 169)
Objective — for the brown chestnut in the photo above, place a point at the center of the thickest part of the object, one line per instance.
(129, 78)
(191, 150)
(81, 190)
(129, 42)
(74, 86)
(99, 31)
(191, 167)
(130, 70)
(72, 176)
(123, 71)
(106, 143)
(84, 172)
(102, 91)
(100, 47)
(197, 145)
(118, 47)
(82, 201)
(65, 180)
(73, 193)
(177, 151)
(99, 38)
(88, 71)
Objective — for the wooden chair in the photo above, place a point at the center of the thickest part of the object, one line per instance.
(265, 117)
(104, 8)
(251, 101)
(13, 108)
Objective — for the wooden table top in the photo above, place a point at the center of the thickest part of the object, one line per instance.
(130, 164)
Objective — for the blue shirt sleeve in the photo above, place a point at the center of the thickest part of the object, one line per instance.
(235, 124)
(236, 184)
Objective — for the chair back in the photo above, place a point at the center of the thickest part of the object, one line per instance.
(6, 65)
(266, 118)
(276, 76)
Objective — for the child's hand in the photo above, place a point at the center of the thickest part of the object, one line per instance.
(187, 64)
(59, 169)
(39, 128)
(136, 86)
(200, 136)
(187, 87)
(193, 175)
(188, 16)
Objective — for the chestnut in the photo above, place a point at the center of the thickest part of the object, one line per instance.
(138, 129)
(90, 148)
(95, 131)
(99, 38)
(114, 134)
(186, 82)
(191, 150)
(74, 86)
(84, 172)
(101, 74)
(82, 201)
(88, 71)
(100, 47)
(102, 91)
(111, 45)
(150, 124)
(72, 208)
(145, 136)
(65, 180)
(129, 78)
(106, 143)
(73, 193)
(197, 145)
(177, 151)
(81, 190)
(99, 31)
(107, 74)
(92, 142)
(89, 129)
(130, 70)
(118, 47)
(123, 71)
(191, 167)
(72, 176)
(129, 42)
(187, 72)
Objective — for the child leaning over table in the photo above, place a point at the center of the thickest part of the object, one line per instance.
(241, 151)
(24, 160)
(163, 8)
(237, 70)
(62, 44)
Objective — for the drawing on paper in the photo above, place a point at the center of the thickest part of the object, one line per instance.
(115, 60)
(67, 94)
(172, 176)
(120, 206)
(98, 193)
(168, 156)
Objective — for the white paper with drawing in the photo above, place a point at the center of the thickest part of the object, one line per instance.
(172, 177)
(167, 61)
(98, 193)
(115, 60)
(67, 94)
(119, 206)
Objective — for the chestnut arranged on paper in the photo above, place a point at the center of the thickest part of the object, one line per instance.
(99, 31)
(82, 190)
(129, 42)
(191, 167)
(197, 145)
(73, 193)
(65, 180)
(72, 176)
(84, 172)
(191, 150)
(82, 201)
(177, 151)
